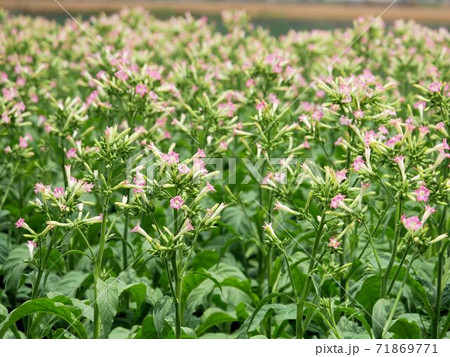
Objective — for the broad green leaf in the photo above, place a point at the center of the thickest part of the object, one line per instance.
(214, 317)
(380, 314)
(403, 328)
(4, 248)
(138, 292)
(160, 312)
(368, 293)
(14, 267)
(47, 306)
(108, 300)
(68, 284)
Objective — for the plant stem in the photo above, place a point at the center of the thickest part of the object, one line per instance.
(125, 237)
(437, 304)
(99, 261)
(398, 270)
(300, 329)
(177, 296)
(385, 279)
(397, 299)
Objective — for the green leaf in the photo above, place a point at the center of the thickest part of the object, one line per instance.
(44, 305)
(4, 249)
(107, 300)
(369, 292)
(68, 284)
(261, 304)
(14, 267)
(352, 312)
(380, 314)
(214, 318)
(160, 312)
(138, 292)
(403, 328)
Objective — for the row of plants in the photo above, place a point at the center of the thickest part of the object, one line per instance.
(171, 179)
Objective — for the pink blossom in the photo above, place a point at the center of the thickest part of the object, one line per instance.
(261, 105)
(411, 223)
(345, 121)
(92, 97)
(422, 193)
(421, 105)
(58, 192)
(141, 89)
(137, 228)
(71, 153)
(341, 175)
(334, 243)
(188, 225)
(250, 83)
(337, 200)
(183, 169)
(5, 118)
(171, 158)
(31, 246)
(20, 223)
(435, 87)
(358, 164)
(23, 142)
(176, 202)
(200, 153)
(359, 114)
(399, 159)
(121, 74)
(428, 212)
(210, 187)
(223, 145)
(423, 130)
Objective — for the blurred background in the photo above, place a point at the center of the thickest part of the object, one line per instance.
(277, 15)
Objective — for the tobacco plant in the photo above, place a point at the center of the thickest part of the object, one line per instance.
(179, 179)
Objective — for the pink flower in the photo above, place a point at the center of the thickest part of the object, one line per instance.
(423, 130)
(31, 246)
(261, 105)
(250, 83)
(337, 200)
(23, 142)
(171, 158)
(121, 74)
(5, 118)
(428, 212)
(58, 192)
(358, 164)
(71, 153)
(422, 194)
(141, 89)
(341, 175)
(188, 225)
(334, 243)
(210, 187)
(92, 97)
(359, 114)
(200, 153)
(183, 169)
(399, 159)
(223, 145)
(176, 202)
(136, 228)
(421, 105)
(435, 87)
(411, 223)
(20, 223)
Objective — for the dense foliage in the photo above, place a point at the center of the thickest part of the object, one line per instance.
(163, 179)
